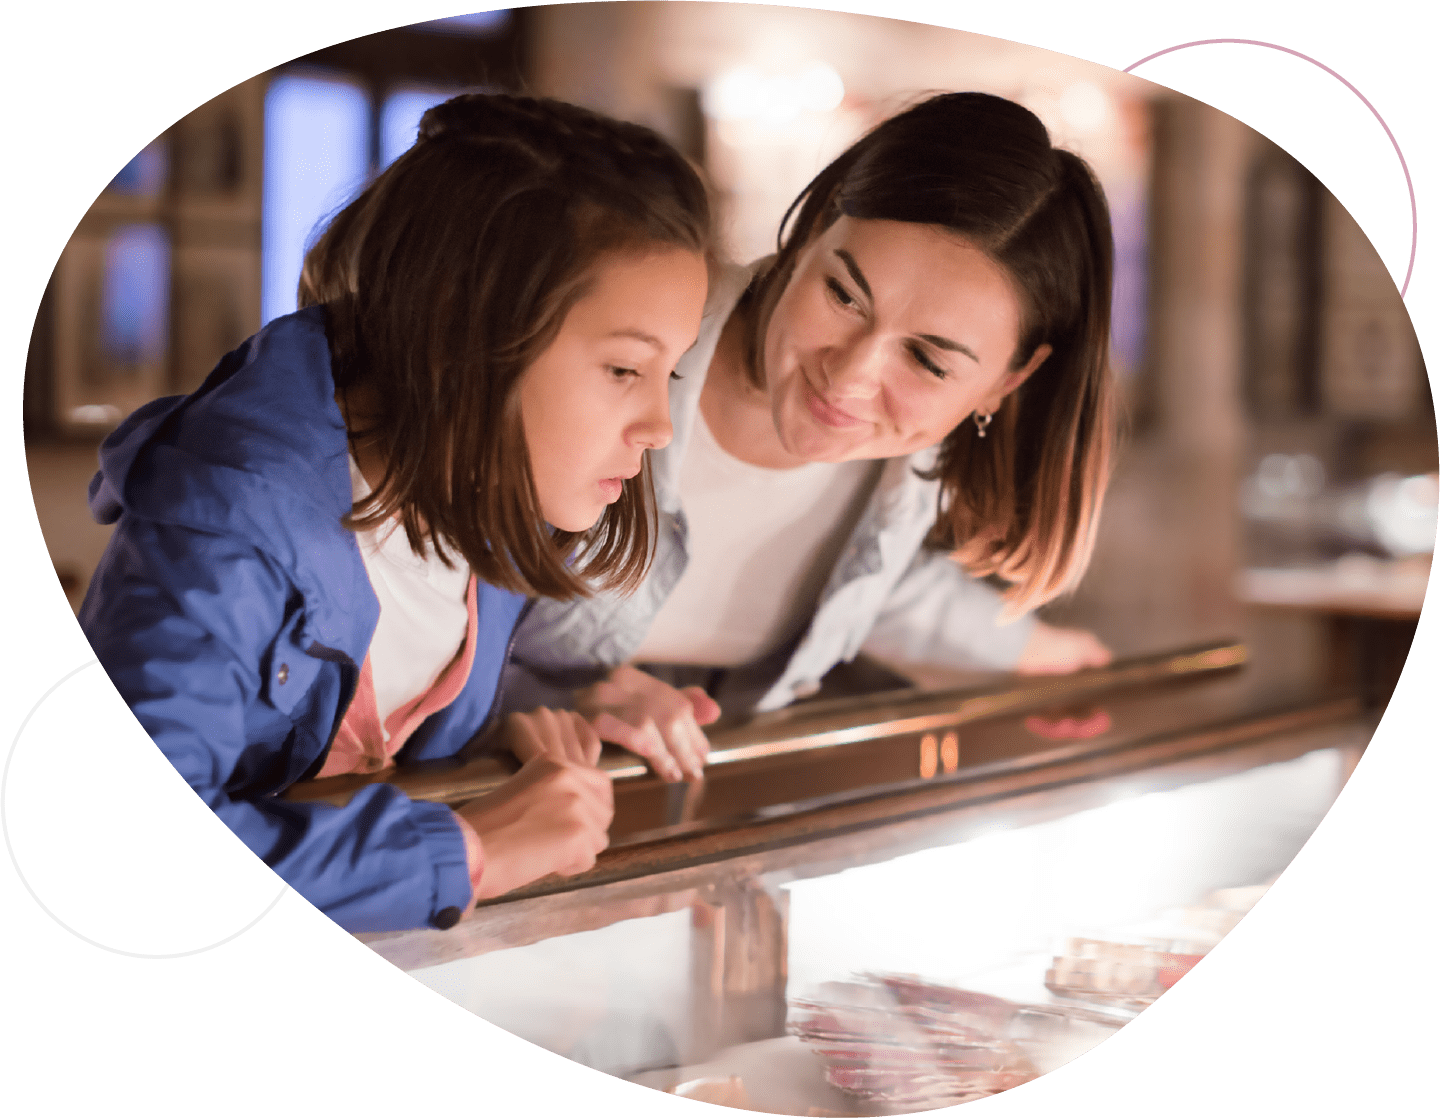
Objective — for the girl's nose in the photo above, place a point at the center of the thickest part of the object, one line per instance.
(652, 430)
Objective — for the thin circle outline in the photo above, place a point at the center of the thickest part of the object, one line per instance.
(10, 849)
(1404, 167)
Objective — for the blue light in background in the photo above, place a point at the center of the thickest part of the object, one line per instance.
(482, 24)
(135, 300)
(145, 174)
(400, 119)
(1129, 312)
(317, 154)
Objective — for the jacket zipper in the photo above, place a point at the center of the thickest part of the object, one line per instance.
(334, 656)
(489, 718)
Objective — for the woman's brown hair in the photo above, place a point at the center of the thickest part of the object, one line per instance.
(446, 278)
(1024, 502)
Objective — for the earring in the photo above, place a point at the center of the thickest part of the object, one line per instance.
(982, 421)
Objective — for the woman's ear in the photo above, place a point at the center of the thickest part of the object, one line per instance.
(1016, 377)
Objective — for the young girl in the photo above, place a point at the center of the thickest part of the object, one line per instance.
(320, 556)
(920, 374)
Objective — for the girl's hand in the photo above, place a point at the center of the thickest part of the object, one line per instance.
(560, 734)
(1052, 651)
(653, 719)
(552, 817)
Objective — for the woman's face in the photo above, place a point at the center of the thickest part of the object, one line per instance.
(887, 336)
(597, 397)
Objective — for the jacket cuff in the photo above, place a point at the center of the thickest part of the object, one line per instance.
(445, 843)
(474, 855)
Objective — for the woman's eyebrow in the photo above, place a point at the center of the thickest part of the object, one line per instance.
(945, 343)
(855, 273)
(934, 339)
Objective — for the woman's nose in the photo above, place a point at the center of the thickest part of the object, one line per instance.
(856, 369)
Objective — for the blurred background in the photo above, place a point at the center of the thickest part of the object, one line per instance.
(1277, 482)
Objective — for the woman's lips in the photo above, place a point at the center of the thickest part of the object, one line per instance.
(825, 412)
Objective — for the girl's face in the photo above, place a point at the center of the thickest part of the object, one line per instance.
(887, 336)
(598, 396)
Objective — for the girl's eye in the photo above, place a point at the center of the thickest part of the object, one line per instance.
(839, 294)
(620, 372)
(923, 360)
(675, 376)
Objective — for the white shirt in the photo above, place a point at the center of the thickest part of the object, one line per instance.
(762, 543)
(423, 612)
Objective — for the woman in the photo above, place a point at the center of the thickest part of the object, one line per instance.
(922, 370)
(319, 557)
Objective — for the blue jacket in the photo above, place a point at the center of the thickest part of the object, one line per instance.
(232, 611)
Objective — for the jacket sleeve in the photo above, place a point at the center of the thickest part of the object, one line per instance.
(199, 634)
(526, 686)
(563, 647)
(938, 614)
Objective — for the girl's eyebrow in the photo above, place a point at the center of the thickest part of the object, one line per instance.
(638, 335)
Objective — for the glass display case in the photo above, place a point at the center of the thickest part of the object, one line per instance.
(898, 901)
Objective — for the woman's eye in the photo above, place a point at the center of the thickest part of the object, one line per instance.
(839, 294)
(620, 372)
(675, 376)
(923, 360)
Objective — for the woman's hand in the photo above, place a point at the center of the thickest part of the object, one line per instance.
(553, 816)
(560, 734)
(1052, 651)
(653, 719)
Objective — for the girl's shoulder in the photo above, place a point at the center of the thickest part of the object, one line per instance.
(259, 444)
(274, 390)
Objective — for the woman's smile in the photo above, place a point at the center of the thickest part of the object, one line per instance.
(825, 411)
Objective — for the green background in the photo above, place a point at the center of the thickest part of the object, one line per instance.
(1318, 1004)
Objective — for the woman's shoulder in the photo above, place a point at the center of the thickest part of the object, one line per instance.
(728, 282)
(906, 489)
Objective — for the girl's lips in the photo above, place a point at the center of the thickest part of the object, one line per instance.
(610, 489)
(825, 412)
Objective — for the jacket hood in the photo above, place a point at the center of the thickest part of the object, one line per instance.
(259, 453)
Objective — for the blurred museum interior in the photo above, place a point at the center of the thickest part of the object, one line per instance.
(1276, 487)
(1277, 482)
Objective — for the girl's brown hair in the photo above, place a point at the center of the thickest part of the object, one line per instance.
(447, 277)
(1024, 502)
